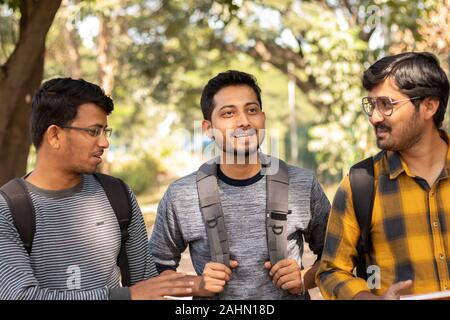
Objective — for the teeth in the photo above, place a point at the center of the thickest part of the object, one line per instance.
(244, 134)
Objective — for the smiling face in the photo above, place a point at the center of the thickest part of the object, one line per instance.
(404, 127)
(81, 152)
(237, 121)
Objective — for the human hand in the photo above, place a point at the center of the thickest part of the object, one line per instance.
(215, 276)
(286, 274)
(393, 292)
(156, 288)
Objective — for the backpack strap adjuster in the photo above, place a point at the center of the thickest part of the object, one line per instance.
(212, 222)
(277, 230)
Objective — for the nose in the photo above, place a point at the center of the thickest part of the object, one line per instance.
(103, 141)
(376, 117)
(242, 120)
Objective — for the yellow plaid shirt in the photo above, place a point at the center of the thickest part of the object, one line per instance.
(410, 232)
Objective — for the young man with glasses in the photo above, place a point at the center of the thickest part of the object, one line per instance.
(77, 239)
(409, 229)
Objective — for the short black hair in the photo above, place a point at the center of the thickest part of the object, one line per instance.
(416, 74)
(56, 102)
(222, 80)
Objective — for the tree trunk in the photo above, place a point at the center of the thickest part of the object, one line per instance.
(106, 64)
(72, 44)
(106, 70)
(20, 76)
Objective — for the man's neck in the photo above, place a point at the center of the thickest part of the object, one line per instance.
(237, 171)
(426, 159)
(48, 177)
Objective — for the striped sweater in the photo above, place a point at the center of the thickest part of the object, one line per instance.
(75, 247)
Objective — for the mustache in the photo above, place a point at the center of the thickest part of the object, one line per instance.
(239, 131)
(382, 127)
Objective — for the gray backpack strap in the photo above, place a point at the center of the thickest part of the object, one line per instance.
(22, 210)
(211, 208)
(276, 212)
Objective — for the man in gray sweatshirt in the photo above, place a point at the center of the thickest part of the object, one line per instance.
(233, 117)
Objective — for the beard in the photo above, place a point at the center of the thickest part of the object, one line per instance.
(407, 135)
(239, 152)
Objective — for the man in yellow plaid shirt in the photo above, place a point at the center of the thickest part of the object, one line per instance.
(410, 224)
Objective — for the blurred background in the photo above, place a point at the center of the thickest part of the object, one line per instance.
(154, 57)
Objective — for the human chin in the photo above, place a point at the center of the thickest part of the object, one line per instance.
(90, 166)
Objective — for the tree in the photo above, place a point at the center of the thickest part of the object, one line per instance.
(330, 43)
(20, 76)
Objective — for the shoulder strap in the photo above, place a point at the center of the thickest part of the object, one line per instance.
(362, 184)
(22, 210)
(276, 211)
(277, 189)
(118, 197)
(211, 208)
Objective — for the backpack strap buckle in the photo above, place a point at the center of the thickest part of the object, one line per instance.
(211, 222)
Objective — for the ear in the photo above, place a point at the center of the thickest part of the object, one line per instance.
(53, 136)
(206, 128)
(429, 107)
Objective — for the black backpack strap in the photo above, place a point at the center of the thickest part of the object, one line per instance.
(211, 208)
(22, 210)
(277, 190)
(120, 201)
(362, 183)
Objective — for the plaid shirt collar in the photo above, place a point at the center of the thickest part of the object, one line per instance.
(397, 166)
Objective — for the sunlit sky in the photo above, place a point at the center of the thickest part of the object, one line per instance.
(267, 18)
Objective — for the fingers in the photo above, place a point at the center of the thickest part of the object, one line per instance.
(216, 275)
(283, 268)
(293, 276)
(169, 276)
(267, 265)
(176, 284)
(399, 286)
(214, 285)
(294, 284)
(393, 293)
(214, 266)
(174, 291)
(219, 275)
(215, 289)
(292, 269)
(281, 264)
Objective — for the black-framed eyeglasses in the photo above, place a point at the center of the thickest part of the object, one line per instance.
(95, 131)
(385, 105)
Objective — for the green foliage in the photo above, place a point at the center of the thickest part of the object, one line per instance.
(8, 31)
(13, 4)
(141, 174)
(167, 50)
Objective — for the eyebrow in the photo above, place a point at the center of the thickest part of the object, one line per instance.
(234, 106)
(98, 125)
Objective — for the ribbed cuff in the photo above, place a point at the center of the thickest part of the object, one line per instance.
(122, 293)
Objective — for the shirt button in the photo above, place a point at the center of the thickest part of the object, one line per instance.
(441, 256)
(435, 224)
